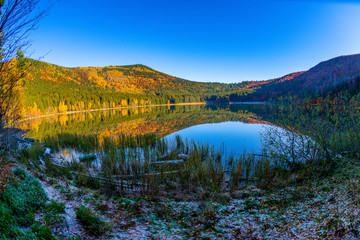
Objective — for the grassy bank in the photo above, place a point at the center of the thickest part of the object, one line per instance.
(147, 165)
(305, 186)
(20, 201)
(298, 207)
(309, 144)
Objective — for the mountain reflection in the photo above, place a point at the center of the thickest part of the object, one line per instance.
(161, 121)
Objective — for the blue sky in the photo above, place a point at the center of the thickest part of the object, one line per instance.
(221, 41)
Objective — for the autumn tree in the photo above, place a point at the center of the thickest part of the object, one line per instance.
(17, 19)
(11, 104)
(62, 107)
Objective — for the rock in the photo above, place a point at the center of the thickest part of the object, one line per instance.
(255, 191)
(182, 156)
(29, 140)
(47, 151)
(241, 194)
(223, 198)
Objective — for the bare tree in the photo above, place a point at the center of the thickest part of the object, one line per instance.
(18, 18)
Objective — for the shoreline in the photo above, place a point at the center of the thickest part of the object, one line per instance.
(106, 109)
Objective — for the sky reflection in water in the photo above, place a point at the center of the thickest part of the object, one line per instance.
(236, 137)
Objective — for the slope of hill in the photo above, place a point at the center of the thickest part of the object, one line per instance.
(327, 77)
(332, 73)
(51, 88)
(262, 90)
(133, 79)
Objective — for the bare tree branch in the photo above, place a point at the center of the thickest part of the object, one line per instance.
(17, 19)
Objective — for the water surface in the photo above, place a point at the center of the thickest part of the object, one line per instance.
(237, 128)
(234, 138)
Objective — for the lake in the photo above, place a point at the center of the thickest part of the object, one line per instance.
(232, 138)
(232, 128)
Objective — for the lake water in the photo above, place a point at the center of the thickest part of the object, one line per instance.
(234, 138)
(235, 128)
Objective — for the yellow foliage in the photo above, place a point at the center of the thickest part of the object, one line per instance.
(124, 102)
(63, 119)
(62, 107)
(124, 112)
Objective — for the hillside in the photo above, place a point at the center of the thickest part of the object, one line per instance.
(331, 76)
(262, 90)
(133, 79)
(51, 88)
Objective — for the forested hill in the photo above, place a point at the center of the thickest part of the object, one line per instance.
(133, 79)
(328, 77)
(51, 88)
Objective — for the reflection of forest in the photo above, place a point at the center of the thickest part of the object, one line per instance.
(158, 120)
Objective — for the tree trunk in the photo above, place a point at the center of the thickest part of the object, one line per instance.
(1, 124)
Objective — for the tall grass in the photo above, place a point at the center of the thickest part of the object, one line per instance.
(92, 142)
(332, 124)
(148, 165)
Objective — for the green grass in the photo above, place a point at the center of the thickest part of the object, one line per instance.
(91, 142)
(92, 223)
(127, 165)
(22, 198)
(32, 155)
(89, 158)
(127, 162)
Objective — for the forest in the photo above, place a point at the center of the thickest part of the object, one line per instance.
(51, 89)
(54, 89)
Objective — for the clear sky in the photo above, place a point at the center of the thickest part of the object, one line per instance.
(200, 40)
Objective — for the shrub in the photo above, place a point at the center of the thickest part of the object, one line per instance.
(55, 207)
(91, 222)
(5, 173)
(52, 212)
(208, 214)
(20, 200)
(24, 196)
(75, 238)
(42, 232)
(251, 204)
(89, 158)
(6, 219)
(31, 156)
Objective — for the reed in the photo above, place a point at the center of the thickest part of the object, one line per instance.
(149, 165)
(92, 142)
(32, 155)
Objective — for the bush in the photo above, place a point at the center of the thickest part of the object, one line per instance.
(52, 212)
(6, 219)
(251, 204)
(20, 200)
(55, 207)
(5, 173)
(42, 232)
(24, 196)
(91, 222)
(89, 158)
(208, 214)
(31, 156)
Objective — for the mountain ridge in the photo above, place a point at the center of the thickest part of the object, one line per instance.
(324, 78)
(52, 88)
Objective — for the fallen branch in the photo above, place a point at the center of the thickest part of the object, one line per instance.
(169, 162)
